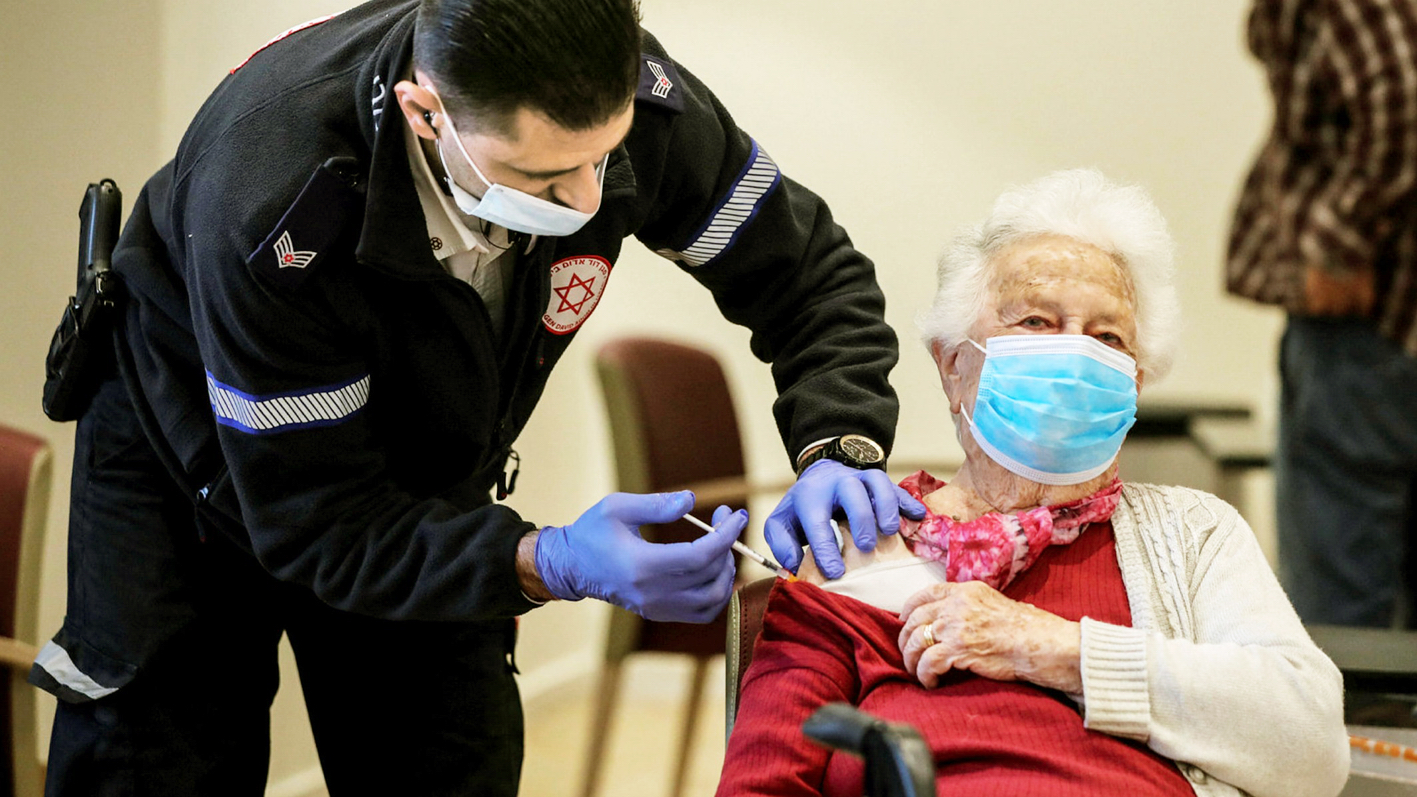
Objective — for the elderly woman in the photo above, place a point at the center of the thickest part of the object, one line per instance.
(1049, 629)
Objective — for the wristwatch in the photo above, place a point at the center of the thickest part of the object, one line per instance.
(857, 451)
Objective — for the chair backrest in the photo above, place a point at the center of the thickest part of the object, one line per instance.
(745, 622)
(25, 473)
(671, 415)
(672, 424)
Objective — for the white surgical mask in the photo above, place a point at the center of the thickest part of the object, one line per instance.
(513, 209)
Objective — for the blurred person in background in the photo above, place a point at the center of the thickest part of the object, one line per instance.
(1326, 228)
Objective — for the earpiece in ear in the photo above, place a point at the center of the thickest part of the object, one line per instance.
(428, 117)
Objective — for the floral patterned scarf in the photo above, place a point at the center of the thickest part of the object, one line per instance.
(995, 548)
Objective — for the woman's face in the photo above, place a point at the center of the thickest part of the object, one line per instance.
(1050, 285)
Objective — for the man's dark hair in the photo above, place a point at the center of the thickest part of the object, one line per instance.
(576, 61)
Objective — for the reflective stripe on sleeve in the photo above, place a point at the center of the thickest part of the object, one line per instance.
(55, 661)
(322, 406)
(739, 207)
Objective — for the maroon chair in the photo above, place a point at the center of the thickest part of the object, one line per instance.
(673, 427)
(25, 472)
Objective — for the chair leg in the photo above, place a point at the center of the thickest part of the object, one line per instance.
(607, 689)
(691, 718)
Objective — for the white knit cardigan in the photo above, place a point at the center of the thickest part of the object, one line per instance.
(1216, 673)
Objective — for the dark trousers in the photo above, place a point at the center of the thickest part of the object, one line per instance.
(1345, 473)
(192, 625)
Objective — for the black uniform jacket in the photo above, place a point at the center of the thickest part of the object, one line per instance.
(340, 404)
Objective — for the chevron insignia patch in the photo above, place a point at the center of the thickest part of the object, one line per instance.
(287, 256)
(660, 84)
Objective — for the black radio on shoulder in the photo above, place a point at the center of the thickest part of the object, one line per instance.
(81, 352)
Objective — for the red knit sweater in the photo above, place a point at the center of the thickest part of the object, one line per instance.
(988, 737)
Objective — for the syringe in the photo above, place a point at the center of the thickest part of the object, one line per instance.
(781, 572)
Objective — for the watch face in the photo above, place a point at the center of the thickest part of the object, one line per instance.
(861, 449)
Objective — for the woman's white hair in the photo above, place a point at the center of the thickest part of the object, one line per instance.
(1083, 205)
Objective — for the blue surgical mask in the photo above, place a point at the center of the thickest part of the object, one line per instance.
(513, 209)
(1053, 409)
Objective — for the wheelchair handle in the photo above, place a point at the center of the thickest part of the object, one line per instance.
(898, 762)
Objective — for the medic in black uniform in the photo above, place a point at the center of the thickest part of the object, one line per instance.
(345, 295)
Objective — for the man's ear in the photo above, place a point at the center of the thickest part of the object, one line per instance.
(1141, 377)
(418, 105)
(947, 362)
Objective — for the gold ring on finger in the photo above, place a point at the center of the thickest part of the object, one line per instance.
(929, 634)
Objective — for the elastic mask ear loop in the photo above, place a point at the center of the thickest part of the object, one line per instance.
(463, 149)
(963, 410)
(438, 142)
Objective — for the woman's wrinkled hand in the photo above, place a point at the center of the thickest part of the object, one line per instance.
(976, 628)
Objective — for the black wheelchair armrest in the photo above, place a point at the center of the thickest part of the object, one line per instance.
(898, 762)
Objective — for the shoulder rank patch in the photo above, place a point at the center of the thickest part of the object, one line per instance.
(310, 226)
(288, 257)
(660, 84)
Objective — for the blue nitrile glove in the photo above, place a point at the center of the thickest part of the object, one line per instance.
(602, 556)
(869, 498)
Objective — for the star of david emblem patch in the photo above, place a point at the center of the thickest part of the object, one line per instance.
(583, 291)
(577, 283)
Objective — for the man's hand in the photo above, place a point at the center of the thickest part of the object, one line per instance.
(975, 627)
(602, 556)
(1334, 292)
(872, 503)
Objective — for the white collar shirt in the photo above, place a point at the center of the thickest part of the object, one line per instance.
(484, 261)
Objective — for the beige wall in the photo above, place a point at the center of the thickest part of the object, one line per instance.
(81, 105)
(907, 116)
